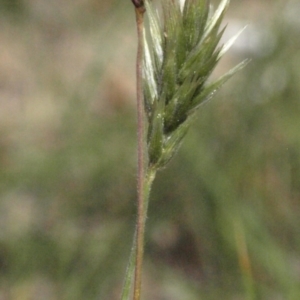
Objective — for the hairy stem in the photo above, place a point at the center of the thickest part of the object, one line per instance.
(148, 180)
(140, 228)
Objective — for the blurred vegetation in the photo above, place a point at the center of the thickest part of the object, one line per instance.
(224, 216)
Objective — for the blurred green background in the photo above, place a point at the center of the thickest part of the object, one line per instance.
(224, 219)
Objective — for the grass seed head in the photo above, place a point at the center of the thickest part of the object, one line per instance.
(181, 51)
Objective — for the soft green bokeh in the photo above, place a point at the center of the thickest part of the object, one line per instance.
(224, 216)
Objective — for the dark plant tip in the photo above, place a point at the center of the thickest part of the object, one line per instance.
(138, 3)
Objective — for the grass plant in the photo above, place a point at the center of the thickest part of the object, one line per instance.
(176, 55)
(224, 215)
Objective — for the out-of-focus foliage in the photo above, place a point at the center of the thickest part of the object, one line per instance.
(224, 217)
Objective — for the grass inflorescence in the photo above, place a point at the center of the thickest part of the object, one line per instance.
(181, 51)
(177, 53)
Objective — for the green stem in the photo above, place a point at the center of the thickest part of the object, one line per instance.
(148, 180)
(140, 229)
(144, 179)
